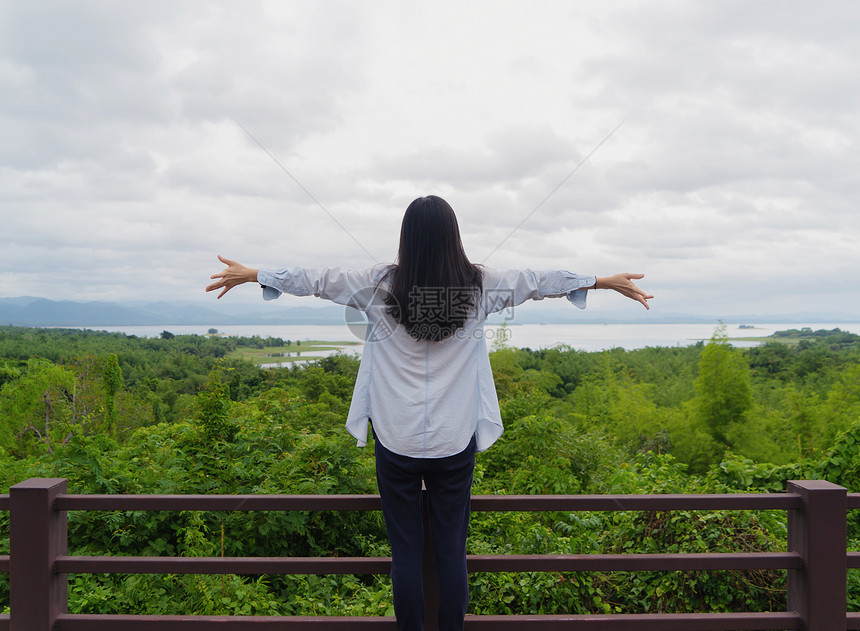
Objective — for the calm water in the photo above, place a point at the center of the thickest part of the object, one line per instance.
(586, 337)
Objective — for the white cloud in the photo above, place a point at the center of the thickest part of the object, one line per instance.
(124, 171)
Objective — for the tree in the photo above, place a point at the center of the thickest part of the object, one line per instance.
(8, 373)
(112, 379)
(213, 409)
(502, 338)
(39, 404)
(723, 392)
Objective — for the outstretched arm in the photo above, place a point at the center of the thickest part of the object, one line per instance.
(235, 274)
(624, 285)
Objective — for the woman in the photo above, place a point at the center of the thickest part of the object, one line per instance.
(424, 385)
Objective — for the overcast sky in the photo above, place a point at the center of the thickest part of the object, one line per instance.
(732, 182)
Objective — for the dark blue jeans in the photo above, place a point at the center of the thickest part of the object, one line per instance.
(449, 485)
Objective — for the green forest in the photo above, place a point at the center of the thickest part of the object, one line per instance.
(186, 414)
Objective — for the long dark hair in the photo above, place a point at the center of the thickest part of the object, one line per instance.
(434, 286)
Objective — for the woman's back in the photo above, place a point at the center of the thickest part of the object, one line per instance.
(425, 383)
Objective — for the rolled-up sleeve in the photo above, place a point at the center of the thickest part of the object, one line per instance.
(508, 288)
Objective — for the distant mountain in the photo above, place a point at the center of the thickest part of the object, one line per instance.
(21, 301)
(32, 311)
(43, 312)
(28, 311)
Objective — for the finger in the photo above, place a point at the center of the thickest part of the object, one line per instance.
(636, 276)
(226, 261)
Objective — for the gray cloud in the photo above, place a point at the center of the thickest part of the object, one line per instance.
(508, 158)
(121, 163)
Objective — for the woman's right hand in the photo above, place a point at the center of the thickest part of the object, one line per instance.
(235, 274)
(624, 285)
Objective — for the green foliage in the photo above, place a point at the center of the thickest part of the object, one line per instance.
(8, 373)
(723, 392)
(542, 454)
(112, 383)
(172, 415)
(213, 409)
(35, 409)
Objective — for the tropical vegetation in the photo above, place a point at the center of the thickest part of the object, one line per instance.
(183, 414)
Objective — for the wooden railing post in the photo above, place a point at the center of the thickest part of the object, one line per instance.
(37, 535)
(431, 587)
(818, 532)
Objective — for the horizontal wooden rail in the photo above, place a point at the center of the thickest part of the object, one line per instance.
(480, 503)
(79, 622)
(217, 502)
(816, 560)
(223, 565)
(476, 563)
(763, 501)
(630, 622)
(525, 503)
(769, 501)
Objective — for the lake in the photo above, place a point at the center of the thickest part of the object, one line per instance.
(585, 337)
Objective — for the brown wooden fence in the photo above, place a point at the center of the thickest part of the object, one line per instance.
(816, 561)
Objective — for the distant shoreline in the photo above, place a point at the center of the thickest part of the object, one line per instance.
(41, 312)
(579, 335)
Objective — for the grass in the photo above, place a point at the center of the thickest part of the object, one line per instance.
(782, 339)
(293, 353)
(791, 337)
(768, 338)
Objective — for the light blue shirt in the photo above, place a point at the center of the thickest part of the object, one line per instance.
(427, 399)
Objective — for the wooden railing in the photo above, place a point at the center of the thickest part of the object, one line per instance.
(816, 561)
